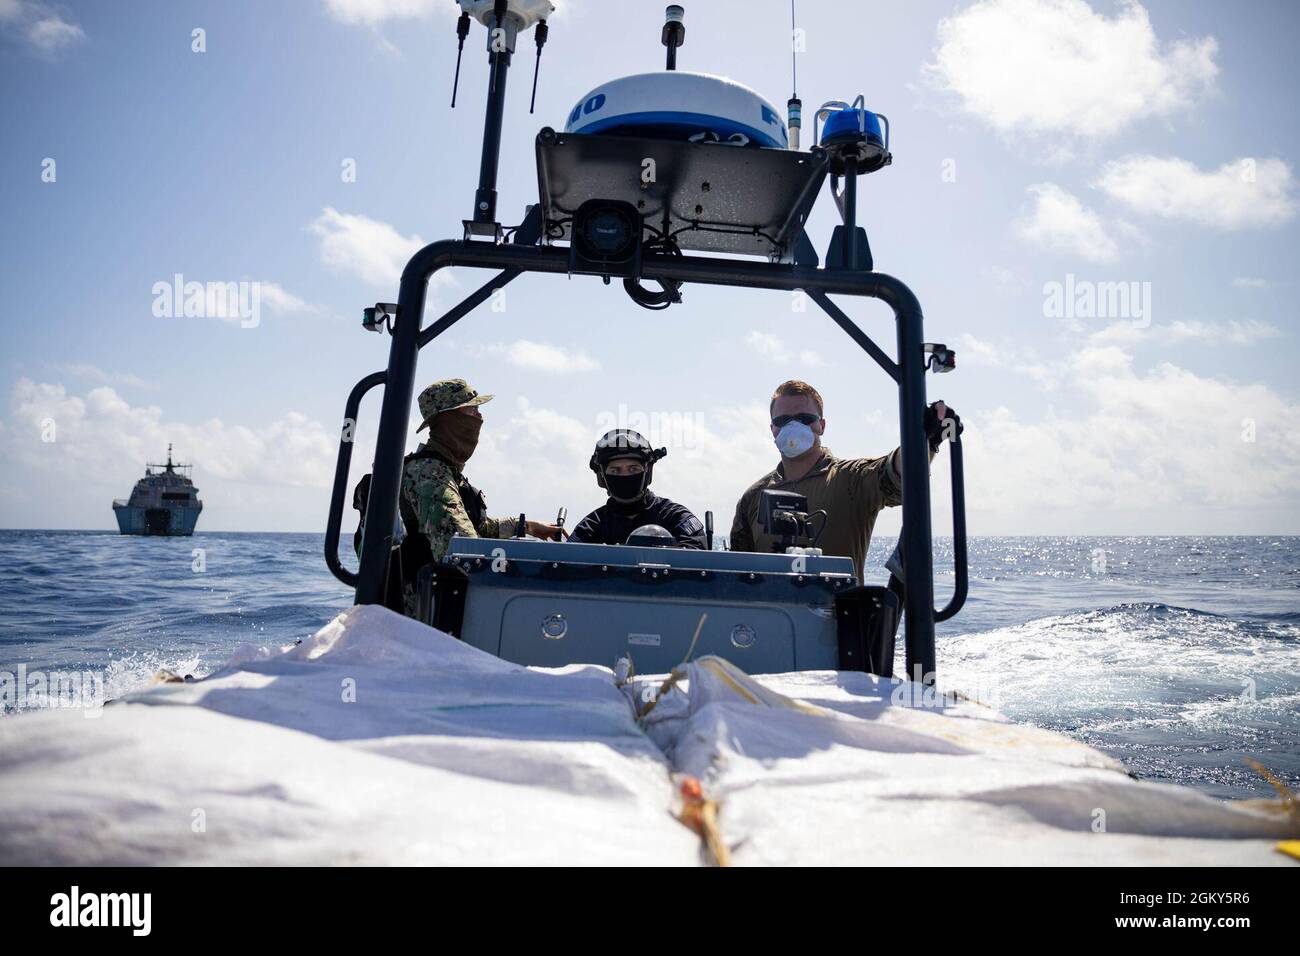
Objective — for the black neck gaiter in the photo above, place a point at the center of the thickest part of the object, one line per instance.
(625, 489)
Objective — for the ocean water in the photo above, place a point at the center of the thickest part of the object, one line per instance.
(1179, 656)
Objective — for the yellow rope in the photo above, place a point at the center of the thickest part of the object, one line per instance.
(677, 673)
(700, 813)
(1290, 803)
(698, 627)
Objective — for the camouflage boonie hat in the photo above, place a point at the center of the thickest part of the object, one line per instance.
(446, 395)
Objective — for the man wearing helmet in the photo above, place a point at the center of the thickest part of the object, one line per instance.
(624, 465)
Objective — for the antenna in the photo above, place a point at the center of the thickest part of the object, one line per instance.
(539, 34)
(462, 31)
(674, 33)
(504, 20)
(794, 107)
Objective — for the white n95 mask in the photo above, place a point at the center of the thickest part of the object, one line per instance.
(794, 439)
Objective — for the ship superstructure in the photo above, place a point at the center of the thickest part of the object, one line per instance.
(163, 502)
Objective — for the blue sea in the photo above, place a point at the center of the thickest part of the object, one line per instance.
(1178, 655)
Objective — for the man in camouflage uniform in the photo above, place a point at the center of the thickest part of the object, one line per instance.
(436, 500)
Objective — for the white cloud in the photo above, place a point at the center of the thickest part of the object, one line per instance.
(53, 33)
(544, 357)
(373, 12)
(1060, 221)
(372, 250)
(1044, 371)
(1245, 282)
(1240, 194)
(94, 373)
(533, 459)
(1232, 332)
(238, 302)
(1004, 278)
(271, 474)
(1059, 66)
(768, 346)
(274, 296)
(973, 351)
(42, 28)
(773, 348)
(1161, 450)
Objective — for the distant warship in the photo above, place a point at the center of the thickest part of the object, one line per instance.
(164, 502)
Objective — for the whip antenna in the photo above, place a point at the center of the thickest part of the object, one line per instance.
(794, 107)
(539, 34)
(462, 31)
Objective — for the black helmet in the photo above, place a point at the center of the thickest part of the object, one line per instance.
(625, 443)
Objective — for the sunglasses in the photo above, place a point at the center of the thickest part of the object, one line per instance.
(803, 418)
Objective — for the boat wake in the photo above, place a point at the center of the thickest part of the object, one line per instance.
(1177, 693)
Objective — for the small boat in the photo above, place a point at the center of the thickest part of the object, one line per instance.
(163, 502)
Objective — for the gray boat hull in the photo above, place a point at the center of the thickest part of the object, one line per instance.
(163, 522)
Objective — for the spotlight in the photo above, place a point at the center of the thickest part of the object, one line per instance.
(606, 239)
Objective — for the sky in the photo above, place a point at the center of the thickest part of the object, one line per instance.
(1045, 151)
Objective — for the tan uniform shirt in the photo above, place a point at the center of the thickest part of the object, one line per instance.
(850, 490)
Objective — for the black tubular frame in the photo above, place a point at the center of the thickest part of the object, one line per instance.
(958, 532)
(524, 255)
(341, 467)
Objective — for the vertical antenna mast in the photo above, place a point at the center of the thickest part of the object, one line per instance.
(462, 31)
(540, 33)
(794, 107)
(503, 20)
(674, 33)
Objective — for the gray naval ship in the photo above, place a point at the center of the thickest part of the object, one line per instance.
(163, 502)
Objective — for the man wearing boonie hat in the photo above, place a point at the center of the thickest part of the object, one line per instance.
(436, 500)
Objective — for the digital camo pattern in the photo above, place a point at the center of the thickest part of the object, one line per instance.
(431, 488)
(443, 396)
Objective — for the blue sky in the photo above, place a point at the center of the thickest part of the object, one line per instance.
(1033, 140)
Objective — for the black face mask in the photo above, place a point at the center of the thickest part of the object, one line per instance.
(625, 488)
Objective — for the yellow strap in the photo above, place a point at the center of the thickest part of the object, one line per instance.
(1290, 802)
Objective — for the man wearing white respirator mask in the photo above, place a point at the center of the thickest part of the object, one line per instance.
(852, 491)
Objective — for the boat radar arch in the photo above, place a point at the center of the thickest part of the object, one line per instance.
(640, 186)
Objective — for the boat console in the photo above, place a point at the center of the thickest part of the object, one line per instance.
(546, 603)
